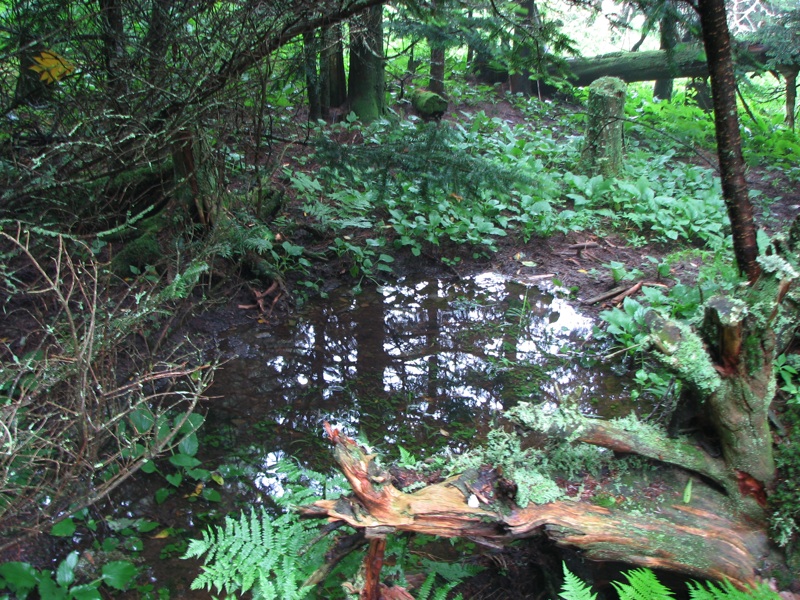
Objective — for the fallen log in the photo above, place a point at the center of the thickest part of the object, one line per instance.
(698, 541)
(686, 61)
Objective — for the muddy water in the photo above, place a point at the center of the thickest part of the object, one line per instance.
(423, 364)
(428, 365)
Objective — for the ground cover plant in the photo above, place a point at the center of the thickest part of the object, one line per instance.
(140, 177)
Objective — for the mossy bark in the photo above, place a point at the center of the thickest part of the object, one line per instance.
(428, 104)
(699, 541)
(602, 151)
(366, 83)
(729, 370)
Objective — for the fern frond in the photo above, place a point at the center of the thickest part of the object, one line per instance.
(726, 591)
(642, 585)
(257, 552)
(575, 589)
(451, 572)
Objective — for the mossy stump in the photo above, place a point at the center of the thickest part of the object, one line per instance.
(429, 105)
(602, 151)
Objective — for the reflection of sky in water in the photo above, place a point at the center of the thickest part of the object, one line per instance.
(425, 364)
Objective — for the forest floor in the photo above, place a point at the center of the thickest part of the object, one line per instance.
(561, 259)
(572, 261)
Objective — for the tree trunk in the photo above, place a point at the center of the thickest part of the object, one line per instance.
(332, 70)
(30, 89)
(790, 76)
(436, 78)
(195, 184)
(156, 41)
(717, 42)
(521, 82)
(313, 89)
(366, 83)
(113, 45)
(668, 34)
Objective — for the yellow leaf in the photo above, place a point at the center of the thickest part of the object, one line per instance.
(584, 271)
(198, 489)
(161, 535)
(51, 66)
(217, 478)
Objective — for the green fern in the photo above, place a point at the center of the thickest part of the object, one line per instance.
(642, 585)
(257, 552)
(440, 593)
(726, 591)
(451, 572)
(303, 485)
(575, 589)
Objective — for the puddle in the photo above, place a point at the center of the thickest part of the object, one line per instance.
(428, 365)
(424, 364)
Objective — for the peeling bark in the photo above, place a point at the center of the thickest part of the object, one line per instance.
(699, 542)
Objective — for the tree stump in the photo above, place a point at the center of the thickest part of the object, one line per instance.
(602, 151)
(429, 105)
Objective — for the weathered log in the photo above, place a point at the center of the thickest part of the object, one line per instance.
(687, 61)
(699, 542)
(627, 436)
(638, 66)
(429, 105)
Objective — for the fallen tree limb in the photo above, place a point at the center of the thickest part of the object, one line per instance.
(699, 542)
(630, 437)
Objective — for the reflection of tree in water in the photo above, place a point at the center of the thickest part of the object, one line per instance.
(420, 364)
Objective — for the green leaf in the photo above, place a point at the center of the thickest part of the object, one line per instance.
(86, 592)
(20, 577)
(192, 424)
(146, 526)
(162, 494)
(64, 528)
(119, 573)
(149, 467)
(174, 479)
(199, 474)
(184, 460)
(65, 574)
(211, 495)
(189, 445)
(687, 492)
(50, 590)
(142, 419)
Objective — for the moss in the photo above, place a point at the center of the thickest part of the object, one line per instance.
(778, 266)
(139, 253)
(690, 361)
(429, 104)
(564, 418)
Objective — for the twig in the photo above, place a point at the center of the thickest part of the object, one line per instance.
(629, 292)
(605, 295)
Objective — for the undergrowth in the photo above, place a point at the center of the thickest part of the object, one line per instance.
(643, 584)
